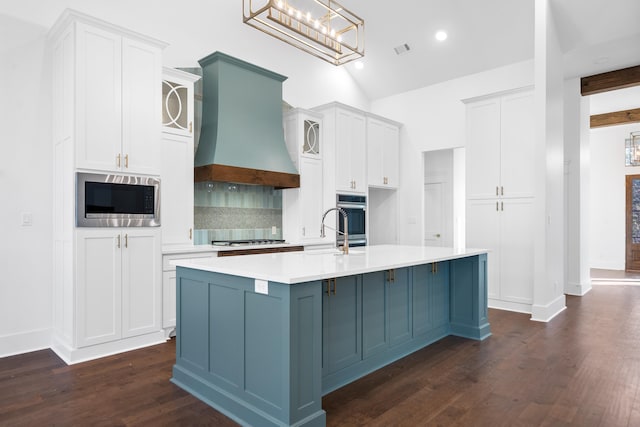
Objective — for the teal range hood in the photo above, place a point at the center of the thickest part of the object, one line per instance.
(242, 139)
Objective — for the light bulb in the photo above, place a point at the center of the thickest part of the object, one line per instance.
(316, 24)
(291, 11)
(299, 15)
(308, 16)
(333, 32)
(324, 30)
(280, 4)
(339, 38)
(359, 65)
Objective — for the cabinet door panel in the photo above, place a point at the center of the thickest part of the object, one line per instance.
(141, 282)
(516, 251)
(517, 145)
(375, 143)
(343, 153)
(141, 107)
(169, 299)
(390, 155)
(98, 299)
(310, 197)
(399, 306)
(176, 199)
(483, 149)
(98, 98)
(374, 320)
(358, 151)
(341, 325)
(483, 231)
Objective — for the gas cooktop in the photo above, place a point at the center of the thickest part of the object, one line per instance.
(247, 242)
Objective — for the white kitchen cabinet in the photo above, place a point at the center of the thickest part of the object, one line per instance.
(106, 85)
(500, 147)
(118, 283)
(117, 96)
(176, 200)
(383, 144)
(345, 148)
(303, 207)
(500, 194)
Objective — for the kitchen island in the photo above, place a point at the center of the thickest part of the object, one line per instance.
(263, 337)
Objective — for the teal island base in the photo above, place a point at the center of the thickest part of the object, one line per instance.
(264, 353)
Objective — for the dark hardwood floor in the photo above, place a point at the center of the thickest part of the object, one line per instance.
(581, 369)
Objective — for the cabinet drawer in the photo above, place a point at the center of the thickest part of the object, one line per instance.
(166, 259)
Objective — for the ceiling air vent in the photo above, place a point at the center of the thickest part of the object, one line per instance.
(403, 48)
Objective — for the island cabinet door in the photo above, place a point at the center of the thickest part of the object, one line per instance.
(431, 300)
(341, 314)
(386, 310)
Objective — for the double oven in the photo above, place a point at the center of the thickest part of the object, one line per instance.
(356, 209)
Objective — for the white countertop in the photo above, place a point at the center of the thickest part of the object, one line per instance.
(185, 249)
(305, 266)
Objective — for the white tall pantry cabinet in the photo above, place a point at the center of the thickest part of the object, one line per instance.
(500, 194)
(106, 103)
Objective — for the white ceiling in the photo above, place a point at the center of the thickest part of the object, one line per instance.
(595, 35)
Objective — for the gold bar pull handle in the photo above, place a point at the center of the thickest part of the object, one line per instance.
(118, 160)
(328, 286)
(436, 268)
(126, 240)
(191, 234)
(118, 244)
(497, 207)
(335, 285)
(502, 206)
(501, 190)
(190, 127)
(497, 191)
(126, 161)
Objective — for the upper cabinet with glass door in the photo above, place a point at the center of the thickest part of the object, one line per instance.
(177, 102)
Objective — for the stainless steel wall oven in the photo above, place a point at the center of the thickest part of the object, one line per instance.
(108, 200)
(356, 209)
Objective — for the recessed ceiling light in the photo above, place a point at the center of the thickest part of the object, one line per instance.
(441, 36)
(359, 65)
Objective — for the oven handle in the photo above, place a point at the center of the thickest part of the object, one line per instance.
(352, 206)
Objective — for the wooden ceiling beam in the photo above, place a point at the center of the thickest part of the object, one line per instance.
(619, 79)
(615, 118)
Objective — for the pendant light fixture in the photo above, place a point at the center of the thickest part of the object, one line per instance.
(322, 28)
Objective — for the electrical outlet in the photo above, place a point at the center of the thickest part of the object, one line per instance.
(27, 219)
(274, 230)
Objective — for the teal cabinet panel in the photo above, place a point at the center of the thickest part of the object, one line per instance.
(430, 297)
(468, 298)
(399, 306)
(341, 317)
(374, 313)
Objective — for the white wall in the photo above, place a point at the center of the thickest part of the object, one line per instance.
(608, 171)
(434, 119)
(25, 187)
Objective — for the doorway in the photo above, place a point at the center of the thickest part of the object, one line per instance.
(632, 213)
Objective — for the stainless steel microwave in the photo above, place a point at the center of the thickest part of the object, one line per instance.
(108, 200)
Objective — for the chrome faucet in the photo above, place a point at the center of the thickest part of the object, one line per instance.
(345, 226)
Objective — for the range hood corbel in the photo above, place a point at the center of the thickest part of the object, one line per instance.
(242, 137)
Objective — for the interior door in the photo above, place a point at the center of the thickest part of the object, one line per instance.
(632, 245)
(433, 214)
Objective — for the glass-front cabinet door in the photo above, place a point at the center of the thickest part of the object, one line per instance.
(177, 103)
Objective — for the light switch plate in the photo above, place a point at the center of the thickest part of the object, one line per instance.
(27, 219)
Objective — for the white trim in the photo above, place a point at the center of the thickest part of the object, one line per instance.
(25, 342)
(71, 356)
(544, 313)
(577, 289)
(518, 307)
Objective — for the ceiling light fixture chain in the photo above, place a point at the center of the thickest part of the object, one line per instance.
(322, 28)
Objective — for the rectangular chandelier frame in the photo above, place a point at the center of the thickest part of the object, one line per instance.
(324, 29)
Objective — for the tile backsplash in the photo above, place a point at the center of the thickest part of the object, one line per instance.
(225, 211)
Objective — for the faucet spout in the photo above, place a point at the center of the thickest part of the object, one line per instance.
(345, 227)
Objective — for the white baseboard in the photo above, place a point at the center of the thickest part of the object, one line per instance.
(518, 307)
(544, 313)
(577, 289)
(76, 355)
(25, 342)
